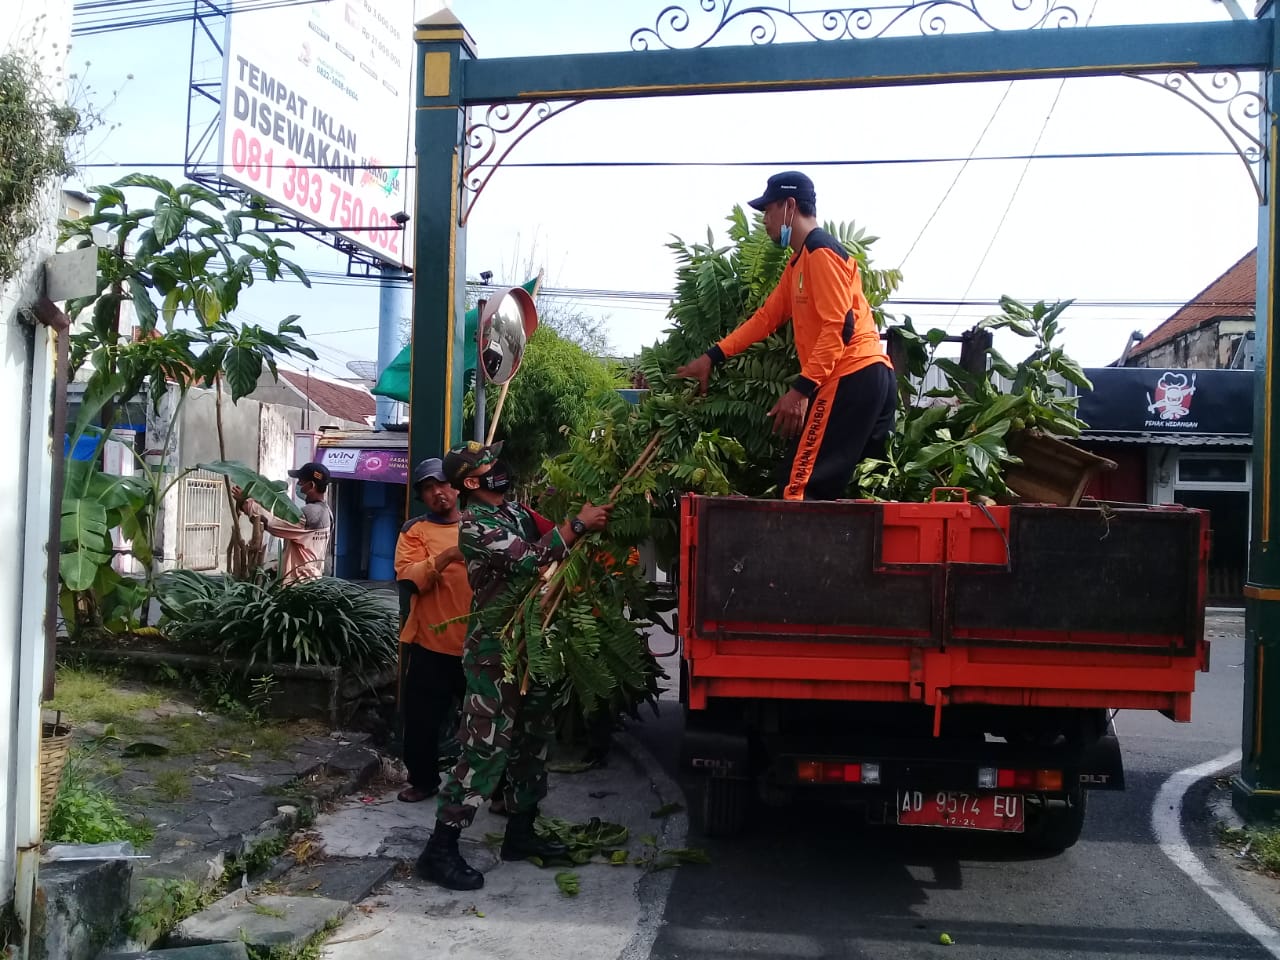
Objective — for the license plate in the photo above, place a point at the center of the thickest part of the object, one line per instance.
(962, 811)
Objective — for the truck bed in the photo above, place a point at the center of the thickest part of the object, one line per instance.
(940, 604)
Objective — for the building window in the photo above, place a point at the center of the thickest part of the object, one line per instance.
(1216, 471)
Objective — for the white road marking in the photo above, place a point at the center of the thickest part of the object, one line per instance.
(1166, 821)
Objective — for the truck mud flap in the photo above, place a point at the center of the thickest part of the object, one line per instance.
(1101, 767)
(715, 754)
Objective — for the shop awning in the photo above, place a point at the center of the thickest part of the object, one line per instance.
(382, 456)
(1170, 439)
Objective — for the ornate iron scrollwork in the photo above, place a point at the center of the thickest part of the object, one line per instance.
(502, 127)
(674, 27)
(1235, 109)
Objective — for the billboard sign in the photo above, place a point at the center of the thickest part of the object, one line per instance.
(1160, 400)
(317, 112)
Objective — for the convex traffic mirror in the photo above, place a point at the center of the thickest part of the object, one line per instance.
(507, 321)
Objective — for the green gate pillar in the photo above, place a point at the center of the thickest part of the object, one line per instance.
(1256, 790)
(440, 244)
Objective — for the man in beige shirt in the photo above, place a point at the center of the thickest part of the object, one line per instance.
(305, 544)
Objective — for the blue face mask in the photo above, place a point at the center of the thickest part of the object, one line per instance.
(784, 235)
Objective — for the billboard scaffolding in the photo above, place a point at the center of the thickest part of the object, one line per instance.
(309, 107)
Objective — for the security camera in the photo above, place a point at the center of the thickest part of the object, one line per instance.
(400, 218)
(486, 276)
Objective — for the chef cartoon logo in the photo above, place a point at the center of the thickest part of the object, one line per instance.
(1173, 396)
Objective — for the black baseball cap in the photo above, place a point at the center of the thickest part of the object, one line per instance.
(429, 469)
(789, 183)
(315, 472)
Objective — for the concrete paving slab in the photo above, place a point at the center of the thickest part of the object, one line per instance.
(338, 879)
(259, 922)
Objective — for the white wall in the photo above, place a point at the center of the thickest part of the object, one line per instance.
(24, 454)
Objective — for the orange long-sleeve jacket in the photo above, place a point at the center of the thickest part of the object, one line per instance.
(821, 293)
(443, 596)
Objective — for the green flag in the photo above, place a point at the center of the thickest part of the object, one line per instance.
(394, 381)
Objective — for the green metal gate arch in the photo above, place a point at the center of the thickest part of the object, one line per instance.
(854, 52)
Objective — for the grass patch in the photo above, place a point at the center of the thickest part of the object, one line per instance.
(1261, 845)
(83, 812)
(171, 786)
(262, 910)
(99, 696)
(163, 905)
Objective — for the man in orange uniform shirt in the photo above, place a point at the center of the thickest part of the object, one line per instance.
(840, 410)
(428, 558)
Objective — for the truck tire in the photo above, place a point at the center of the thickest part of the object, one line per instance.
(1059, 826)
(722, 806)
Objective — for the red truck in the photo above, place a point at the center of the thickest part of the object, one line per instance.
(943, 664)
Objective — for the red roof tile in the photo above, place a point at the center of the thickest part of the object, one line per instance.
(336, 399)
(1233, 294)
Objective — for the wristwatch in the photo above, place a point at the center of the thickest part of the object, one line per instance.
(577, 526)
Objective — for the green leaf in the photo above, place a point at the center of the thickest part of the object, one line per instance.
(208, 306)
(143, 306)
(272, 494)
(168, 222)
(243, 367)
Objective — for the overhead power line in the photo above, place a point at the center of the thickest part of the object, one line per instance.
(105, 16)
(641, 164)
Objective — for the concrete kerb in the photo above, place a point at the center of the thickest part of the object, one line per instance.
(654, 887)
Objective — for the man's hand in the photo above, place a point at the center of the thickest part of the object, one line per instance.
(788, 413)
(239, 497)
(699, 370)
(595, 518)
(448, 556)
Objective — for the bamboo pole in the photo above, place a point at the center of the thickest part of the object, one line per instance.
(493, 427)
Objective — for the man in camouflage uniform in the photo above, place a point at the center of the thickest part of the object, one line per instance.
(505, 546)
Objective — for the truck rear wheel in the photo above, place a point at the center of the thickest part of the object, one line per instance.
(1060, 825)
(722, 806)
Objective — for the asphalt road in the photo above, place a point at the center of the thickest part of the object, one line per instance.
(812, 882)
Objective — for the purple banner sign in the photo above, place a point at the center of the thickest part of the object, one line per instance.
(384, 466)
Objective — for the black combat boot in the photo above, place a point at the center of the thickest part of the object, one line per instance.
(440, 862)
(521, 841)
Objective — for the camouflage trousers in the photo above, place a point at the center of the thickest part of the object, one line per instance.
(501, 732)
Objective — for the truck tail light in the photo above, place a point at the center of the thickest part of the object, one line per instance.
(1048, 780)
(832, 771)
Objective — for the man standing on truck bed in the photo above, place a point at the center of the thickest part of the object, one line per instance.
(839, 410)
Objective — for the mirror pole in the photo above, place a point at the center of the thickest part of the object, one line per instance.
(480, 374)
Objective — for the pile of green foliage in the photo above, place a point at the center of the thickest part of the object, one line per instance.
(324, 621)
(958, 434)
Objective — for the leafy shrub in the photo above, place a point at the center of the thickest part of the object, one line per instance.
(324, 621)
(85, 813)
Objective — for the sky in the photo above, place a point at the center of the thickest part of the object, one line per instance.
(1138, 235)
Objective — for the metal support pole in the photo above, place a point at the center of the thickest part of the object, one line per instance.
(1256, 790)
(393, 305)
(480, 379)
(440, 244)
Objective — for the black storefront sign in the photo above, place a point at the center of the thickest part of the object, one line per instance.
(1158, 400)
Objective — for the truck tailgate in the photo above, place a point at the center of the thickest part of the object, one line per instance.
(944, 603)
